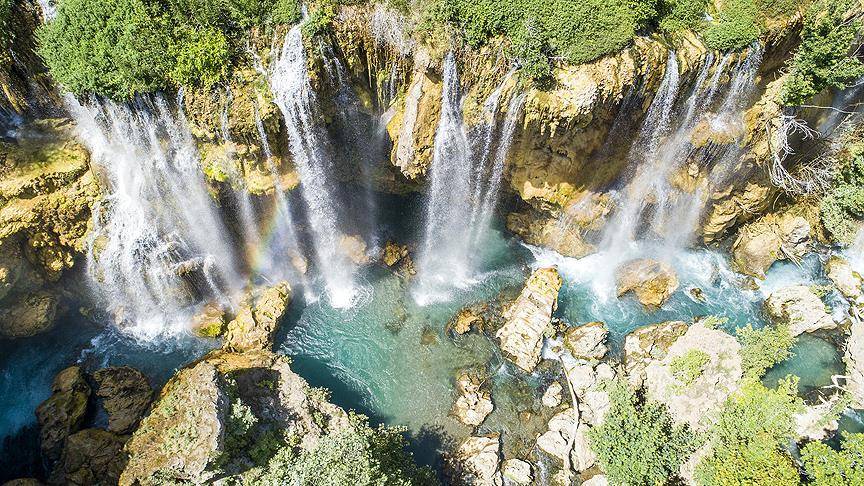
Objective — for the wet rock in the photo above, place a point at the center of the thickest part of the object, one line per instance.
(819, 421)
(92, 457)
(847, 280)
(692, 394)
(126, 395)
(412, 128)
(518, 471)
(397, 256)
(428, 336)
(528, 318)
(34, 314)
(771, 238)
(63, 412)
(474, 403)
(24, 482)
(465, 320)
(652, 281)
(647, 344)
(854, 359)
(355, 248)
(552, 396)
(799, 308)
(258, 318)
(476, 461)
(210, 321)
(587, 341)
(537, 230)
(735, 206)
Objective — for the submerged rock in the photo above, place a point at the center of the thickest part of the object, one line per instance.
(258, 318)
(476, 461)
(528, 318)
(799, 308)
(653, 282)
(62, 414)
(92, 457)
(647, 344)
(474, 403)
(587, 341)
(769, 239)
(847, 280)
(126, 396)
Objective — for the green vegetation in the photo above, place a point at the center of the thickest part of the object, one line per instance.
(748, 438)
(119, 48)
(637, 444)
(823, 60)
(763, 348)
(678, 15)
(689, 366)
(828, 467)
(843, 206)
(734, 27)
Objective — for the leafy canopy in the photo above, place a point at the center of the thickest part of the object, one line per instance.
(828, 467)
(763, 348)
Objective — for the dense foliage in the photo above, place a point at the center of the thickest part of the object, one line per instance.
(823, 59)
(843, 206)
(735, 26)
(119, 48)
(763, 348)
(689, 366)
(748, 439)
(637, 443)
(828, 467)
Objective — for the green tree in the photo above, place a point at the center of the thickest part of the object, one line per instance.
(843, 206)
(637, 443)
(734, 27)
(828, 467)
(763, 348)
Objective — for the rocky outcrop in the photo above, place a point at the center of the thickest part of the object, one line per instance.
(258, 318)
(397, 257)
(771, 238)
(854, 359)
(847, 280)
(518, 471)
(647, 344)
(701, 369)
(62, 414)
(467, 319)
(566, 440)
(552, 233)
(799, 308)
(653, 282)
(552, 396)
(126, 396)
(474, 402)
(92, 457)
(209, 321)
(529, 317)
(476, 461)
(587, 341)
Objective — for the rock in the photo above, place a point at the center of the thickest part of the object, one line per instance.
(647, 344)
(210, 321)
(847, 280)
(465, 320)
(32, 315)
(257, 319)
(126, 396)
(538, 230)
(552, 396)
(528, 318)
(596, 480)
(587, 341)
(63, 412)
(412, 128)
(566, 440)
(23, 482)
(92, 457)
(771, 238)
(694, 397)
(799, 308)
(518, 471)
(474, 403)
(476, 461)
(819, 421)
(397, 256)
(652, 281)
(355, 248)
(854, 359)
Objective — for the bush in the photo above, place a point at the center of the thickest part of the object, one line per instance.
(689, 366)
(734, 27)
(682, 15)
(637, 443)
(843, 206)
(202, 58)
(747, 440)
(828, 467)
(822, 59)
(763, 348)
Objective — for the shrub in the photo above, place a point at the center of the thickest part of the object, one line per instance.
(747, 440)
(844, 204)
(689, 366)
(682, 14)
(734, 27)
(828, 467)
(822, 59)
(637, 443)
(202, 58)
(763, 348)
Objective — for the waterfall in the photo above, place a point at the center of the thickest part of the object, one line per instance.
(289, 82)
(158, 244)
(464, 182)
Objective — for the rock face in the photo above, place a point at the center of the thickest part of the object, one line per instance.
(769, 239)
(63, 412)
(210, 321)
(126, 396)
(799, 308)
(847, 280)
(854, 359)
(474, 403)
(528, 318)
(695, 391)
(476, 461)
(31, 315)
(652, 281)
(550, 233)
(257, 319)
(587, 341)
(647, 344)
(91, 457)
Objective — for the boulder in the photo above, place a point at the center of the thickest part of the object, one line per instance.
(771, 238)
(24, 482)
(552, 396)
(397, 257)
(596, 480)
(587, 381)
(209, 321)
(699, 372)
(587, 341)
(518, 471)
(528, 318)
(566, 440)
(551, 233)
(258, 318)
(465, 320)
(854, 359)
(126, 395)
(653, 282)
(847, 280)
(474, 403)
(799, 308)
(92, 457)
(647, 344)
(63, 412)
(476, 461)
(34, 314)
(354, 248)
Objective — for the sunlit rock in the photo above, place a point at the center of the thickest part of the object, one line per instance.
(587, 341)
(465, 320)
(257, 318)
(647, 344)
(209, 321)
(799, 308)
(126, 396)
(818, 421)
(518, 471)
(474, 402)
(847, 280)
(529, 317)
(476, 461)
(549, 233)
(566, 440)
(552, 396)
(769, 239)
(355, 248)
(653, 282)
(596, 480)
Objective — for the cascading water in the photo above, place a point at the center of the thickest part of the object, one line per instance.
(158, 243)
(289, 82)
